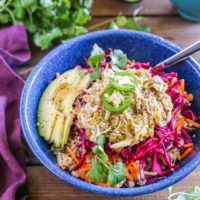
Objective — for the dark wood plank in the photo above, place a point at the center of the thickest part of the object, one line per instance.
(44, 185)
(150, 7)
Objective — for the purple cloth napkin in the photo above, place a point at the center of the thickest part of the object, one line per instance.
(14, 50)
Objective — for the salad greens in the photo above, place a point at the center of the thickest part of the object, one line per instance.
(48, 21)
(192, 194)
(102, 171)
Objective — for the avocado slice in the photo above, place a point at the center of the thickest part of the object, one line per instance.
(84, 83)
(55, 110)
(57, 133)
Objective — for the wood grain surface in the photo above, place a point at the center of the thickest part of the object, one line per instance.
(43, 185)
(150, 7)
(165, 22)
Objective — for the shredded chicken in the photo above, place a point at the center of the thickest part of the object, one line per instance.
(150, 106)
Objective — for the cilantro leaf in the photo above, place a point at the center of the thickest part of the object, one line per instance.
(116, 173)
(81, 16)
(4, 18)
(88, 3)
(97, 54)
(131, 24)
(121, 20)
(101, 139)
(96, 74)
(98, 150)
(46, 3)
(118, 58)
(99, 171)
(2, 2)
(27, 3)
(104, 173)
(43, 40)
(113, 26)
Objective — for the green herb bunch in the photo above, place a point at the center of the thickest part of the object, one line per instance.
(47, 20)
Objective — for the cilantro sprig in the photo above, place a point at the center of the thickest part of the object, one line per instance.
(118, 58)
(97, 55)
(99, 149)
(102, 171)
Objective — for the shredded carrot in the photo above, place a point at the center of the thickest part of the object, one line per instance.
(172, 82)
(57, 75)
(87, 72)
(175, 115)
(150, 173)
(179, 88)
(182, 85)
(135, 167)
(103, 184)
(77, 109)
(127, 67)
(89, 154)
(117, 186)
(85, 168)
(188, 145)
(130, 61)
(179, 156)
(186, 152)
(83, 176)
(113, 159)
(193, 123)
(131, 170)
(179, 124)
(128, 176)
(71, 153)
(189, 97)
(82, 172)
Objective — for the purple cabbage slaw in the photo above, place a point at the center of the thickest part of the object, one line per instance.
(156, 148)
(165, 137)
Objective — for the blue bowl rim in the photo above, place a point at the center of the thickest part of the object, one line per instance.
(135, 191)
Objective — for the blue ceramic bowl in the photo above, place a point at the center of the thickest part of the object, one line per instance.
(140, 46)
(188, 9)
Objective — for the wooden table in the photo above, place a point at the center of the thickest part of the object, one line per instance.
(166, 23)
